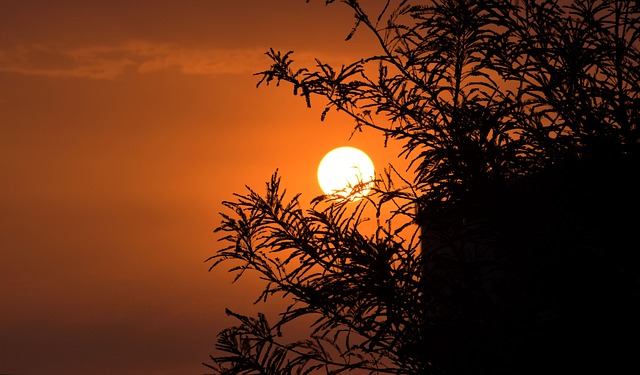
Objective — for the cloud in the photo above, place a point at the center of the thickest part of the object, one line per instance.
(109, 62)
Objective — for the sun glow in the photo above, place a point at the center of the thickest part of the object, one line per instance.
(346, 172)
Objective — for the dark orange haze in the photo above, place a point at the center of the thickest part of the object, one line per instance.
(124, 124)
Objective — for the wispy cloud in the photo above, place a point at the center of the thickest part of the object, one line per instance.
(109, 62)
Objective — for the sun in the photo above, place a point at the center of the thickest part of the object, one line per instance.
(343, 169)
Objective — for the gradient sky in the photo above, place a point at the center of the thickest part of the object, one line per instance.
(124, 125)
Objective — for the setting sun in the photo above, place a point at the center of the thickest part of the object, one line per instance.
(343, 169)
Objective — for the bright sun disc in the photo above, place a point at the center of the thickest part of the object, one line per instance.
(344, 168)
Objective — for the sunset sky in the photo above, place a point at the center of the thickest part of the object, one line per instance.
(124, 125)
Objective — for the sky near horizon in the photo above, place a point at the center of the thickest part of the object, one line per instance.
(124, 125)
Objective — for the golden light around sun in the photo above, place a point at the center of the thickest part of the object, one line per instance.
(343, 169)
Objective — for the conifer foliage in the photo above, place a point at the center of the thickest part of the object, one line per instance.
(509, 251)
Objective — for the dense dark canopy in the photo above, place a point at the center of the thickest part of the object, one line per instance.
(511, 250)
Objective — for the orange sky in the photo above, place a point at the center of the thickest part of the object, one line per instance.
(124, 124)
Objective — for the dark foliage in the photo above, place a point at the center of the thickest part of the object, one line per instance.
(511, 251)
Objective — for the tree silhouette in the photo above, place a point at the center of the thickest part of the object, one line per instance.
(512, 250)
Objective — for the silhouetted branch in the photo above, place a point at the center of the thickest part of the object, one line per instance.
(521, 123)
